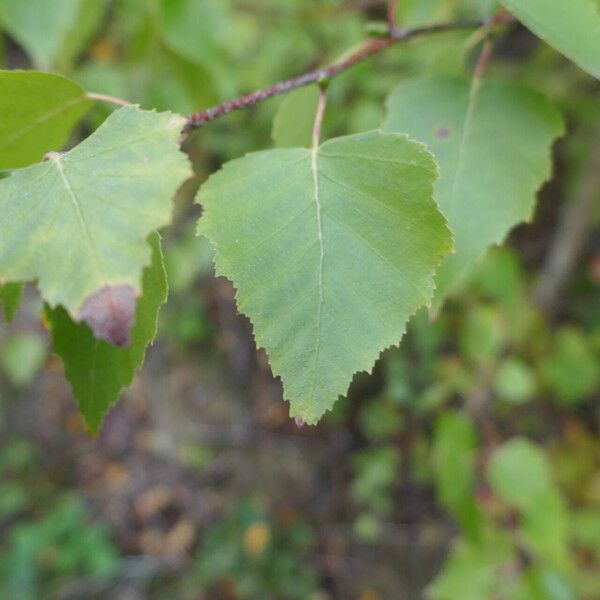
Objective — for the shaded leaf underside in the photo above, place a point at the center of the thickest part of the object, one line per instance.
(97, 370)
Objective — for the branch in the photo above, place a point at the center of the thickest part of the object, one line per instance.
(369, 48)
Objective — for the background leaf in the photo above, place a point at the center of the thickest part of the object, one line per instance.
(40, 111)
(293, 122)
(572, 27)
(48, 29)
(331, 252)
(97, 370)
(22, 357)
(10, 297)
(78, 223)
(520, 474)
(454, 451)
(493, 152)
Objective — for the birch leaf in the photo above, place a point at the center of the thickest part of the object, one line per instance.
(572, 27)
(331, 252)
(493, 149)
(97, 370)
(78, 223)
(40, 110)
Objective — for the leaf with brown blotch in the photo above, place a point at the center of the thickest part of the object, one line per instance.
(78, 223)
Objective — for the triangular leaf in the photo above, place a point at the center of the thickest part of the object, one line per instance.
(494, 153)
(39, 111)
(78, 223)
(98, 371)
(331, 252)
(572, 27)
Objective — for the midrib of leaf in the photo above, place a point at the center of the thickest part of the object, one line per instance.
(41, 119)
(55, 158)
(314, 165)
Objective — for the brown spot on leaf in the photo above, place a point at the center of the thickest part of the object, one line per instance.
(110, 312)
(443, 133)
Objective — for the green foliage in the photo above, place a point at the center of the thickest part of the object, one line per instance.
(52, 31)
(571, 369)
(96, 205)
(454, 469)
(195, 30)
(10, 297)
(520, 474)
(61, 545)
(21, 358)
(57, 543)
(311, 241)
(515, 382)
(97, 370)
(375, 474)
(573, 29)
(472, 572)
(293, 123)
(436, 438)
(256, 557)
(493, 146)
(43, 110)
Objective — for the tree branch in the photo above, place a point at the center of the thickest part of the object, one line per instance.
(369, 48)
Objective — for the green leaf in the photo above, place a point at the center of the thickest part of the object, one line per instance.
(572, 27)
(515, 382)
(520, 474)
(493, 149)
(473, 572)
(571, 369)
(195, 30)
(483, 335)
(22, 357)
(10, 297)
(40, 111)
(293, 123)
(454, 468)
(78, 223)
(331, 252)
(99, 371)
(40, 26)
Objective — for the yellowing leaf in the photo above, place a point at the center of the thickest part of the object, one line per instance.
(78, 223)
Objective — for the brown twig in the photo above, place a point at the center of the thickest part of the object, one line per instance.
(368, 49)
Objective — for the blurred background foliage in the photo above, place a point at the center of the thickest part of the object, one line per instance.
(467, 467)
